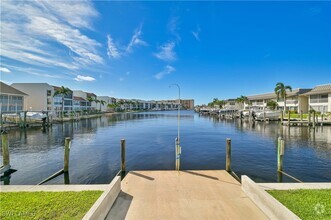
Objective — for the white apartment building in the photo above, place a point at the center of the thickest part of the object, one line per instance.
(295, 100)
(11, 99)
(40, 96)
(108, 100)
(320, 98)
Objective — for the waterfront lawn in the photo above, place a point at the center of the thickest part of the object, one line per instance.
(306, 203)
(46, 205)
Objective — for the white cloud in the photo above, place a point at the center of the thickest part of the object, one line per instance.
(40, 33)
(136, 40)
(112, 50)
(84, 78)
(166, 71)
(173, 27)
(197, 33)
(4, 70)
(166, 52)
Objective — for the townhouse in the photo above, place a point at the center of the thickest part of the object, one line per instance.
(319, 98)
(11, 99)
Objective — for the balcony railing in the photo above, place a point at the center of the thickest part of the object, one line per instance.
(292, 102)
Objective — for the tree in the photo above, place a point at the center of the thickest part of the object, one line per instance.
(216, 101)
(272, 104)
(102, 102)
(62, 91)
(281, 90)
(91, 100)
(241, 99)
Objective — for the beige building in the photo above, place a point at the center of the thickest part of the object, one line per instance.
(319, 98)
(296, 100)
(187, 103)
(11, 99)
(40, 96)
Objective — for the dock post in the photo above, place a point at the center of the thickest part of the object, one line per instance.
(309, 118)
(123, 163)
(5, 148)
(301, 116)
(228, 155)
(314, 119)
(280, 153)
(177, 154)
(1, 119)
(289, 118)
(282, 117)
(24, 120)
(322, 119)
(47, 115)
(67, 144)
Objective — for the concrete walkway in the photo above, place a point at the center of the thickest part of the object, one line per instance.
(209, 194)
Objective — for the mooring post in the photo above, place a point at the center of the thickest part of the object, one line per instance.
(67, 144)
(280, 153)
(0, 118)
(289, 118)
(282, 117)
(322, 119)
(228, 155)
(309, 119)
(314, 119)
(5, 148)
(177, 154)
(47, 115)
(24, 120)
(123, 163)
(301, 116)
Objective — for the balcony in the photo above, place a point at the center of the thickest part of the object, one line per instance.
(291, 102)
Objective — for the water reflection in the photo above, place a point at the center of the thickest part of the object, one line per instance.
(95, 150)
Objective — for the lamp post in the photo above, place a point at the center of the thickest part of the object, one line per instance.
(178, 148)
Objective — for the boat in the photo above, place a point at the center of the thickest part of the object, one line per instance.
(271, 115)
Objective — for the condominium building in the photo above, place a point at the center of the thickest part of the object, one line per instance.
(320, 98)
(108, 100)
(295, 100)
(67, 100)
(11, 99)
(187, 103)
(40, 96)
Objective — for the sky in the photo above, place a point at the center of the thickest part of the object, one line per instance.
(216, 49)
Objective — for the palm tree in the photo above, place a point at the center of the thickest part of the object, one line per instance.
(281, 90)
(62, 91)
(91, 100)
(102, 102)
(241, 99)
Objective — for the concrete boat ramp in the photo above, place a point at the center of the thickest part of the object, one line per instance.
(207, 194)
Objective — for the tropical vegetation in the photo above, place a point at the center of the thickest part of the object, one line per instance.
(216, 101)
(62, 91)
(281, 92)
(272, 104)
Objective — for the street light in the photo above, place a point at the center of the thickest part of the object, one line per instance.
(178, 148)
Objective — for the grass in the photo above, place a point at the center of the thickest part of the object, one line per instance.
(306, 203)
(46, 205)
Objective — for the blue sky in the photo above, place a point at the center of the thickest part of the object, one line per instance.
(136, 49)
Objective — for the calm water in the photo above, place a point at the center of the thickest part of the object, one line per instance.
(150, 137)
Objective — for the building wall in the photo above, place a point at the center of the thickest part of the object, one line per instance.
(11, 102)
(329, 103)
(187, 103)
(37, 98)
(319, 103)
(303, 104)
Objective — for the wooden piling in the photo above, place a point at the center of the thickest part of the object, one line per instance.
(123, 163)
(177, 154)
(67, 144)
(309, 119)
(280, 153)
(322, 119)
(24, 119)
(5, 148)
(228, 155)
(47, 115)
(301, 116)
(314, 119)
(282, 117)
(289, 118)
(1, 119)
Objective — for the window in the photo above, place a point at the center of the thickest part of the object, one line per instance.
(49, 93)
(323, 98)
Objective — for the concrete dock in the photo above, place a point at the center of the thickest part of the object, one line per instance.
(207, 194)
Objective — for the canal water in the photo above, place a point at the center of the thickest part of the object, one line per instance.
(150, 145)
